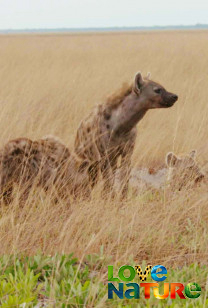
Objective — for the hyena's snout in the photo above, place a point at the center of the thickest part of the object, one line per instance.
(169, 99)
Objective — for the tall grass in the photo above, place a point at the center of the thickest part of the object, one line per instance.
(49, 83)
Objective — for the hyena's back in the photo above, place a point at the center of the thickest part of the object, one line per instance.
(26, 162)
(46, 163)
(24, 153)
(20, 160)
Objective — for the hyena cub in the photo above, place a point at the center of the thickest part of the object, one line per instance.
(183, 170)
(180, 172)
(45, 163)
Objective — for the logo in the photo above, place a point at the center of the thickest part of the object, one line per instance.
(130, 290)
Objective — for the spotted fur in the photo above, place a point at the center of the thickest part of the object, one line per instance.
(109, 131)
(46, 163)
(183, 170)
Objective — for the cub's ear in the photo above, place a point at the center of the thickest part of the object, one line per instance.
(193, 153)
(138, 83)
(171, 159)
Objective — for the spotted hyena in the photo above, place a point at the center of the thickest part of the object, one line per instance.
(109, 131)
(180, 172)
(46, 163)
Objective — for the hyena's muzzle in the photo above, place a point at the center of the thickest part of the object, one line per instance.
(168, 99)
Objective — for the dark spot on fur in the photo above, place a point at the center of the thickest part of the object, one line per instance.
(33, 164)
(107, 113)
(17, 152)
(91, 151)
(101, 148)
(83, 166)
(107, 116)
(107, 126)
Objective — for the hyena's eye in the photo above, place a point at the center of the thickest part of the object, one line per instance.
(158, 90)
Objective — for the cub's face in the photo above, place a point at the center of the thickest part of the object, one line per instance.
(184, 170)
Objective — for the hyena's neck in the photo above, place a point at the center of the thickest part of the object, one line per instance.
(129, 113)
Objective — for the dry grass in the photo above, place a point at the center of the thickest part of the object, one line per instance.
(48, 84)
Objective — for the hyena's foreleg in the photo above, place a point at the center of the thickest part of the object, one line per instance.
(108, 170)
(125, 170)
(93, 172)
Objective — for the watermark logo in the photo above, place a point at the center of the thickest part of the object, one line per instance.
(130, 290)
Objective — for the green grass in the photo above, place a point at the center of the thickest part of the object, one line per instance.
(63, 281)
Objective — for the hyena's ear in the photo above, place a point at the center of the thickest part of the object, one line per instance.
(193, 153)
(138, 83)
(148, 76)
(171, 159)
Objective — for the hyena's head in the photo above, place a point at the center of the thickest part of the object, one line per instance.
(154, 95)
(183, 170)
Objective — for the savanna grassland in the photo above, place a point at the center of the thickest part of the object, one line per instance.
(48, 84)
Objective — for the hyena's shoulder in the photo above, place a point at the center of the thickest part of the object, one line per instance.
(54, 149)
(91, 121)
(88, 134)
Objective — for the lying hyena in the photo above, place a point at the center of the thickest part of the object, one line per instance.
(180, 172)
(109, 132)
(183, 171)
(46, 163)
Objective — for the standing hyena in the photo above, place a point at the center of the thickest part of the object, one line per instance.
(46, 163)
(109, 132)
